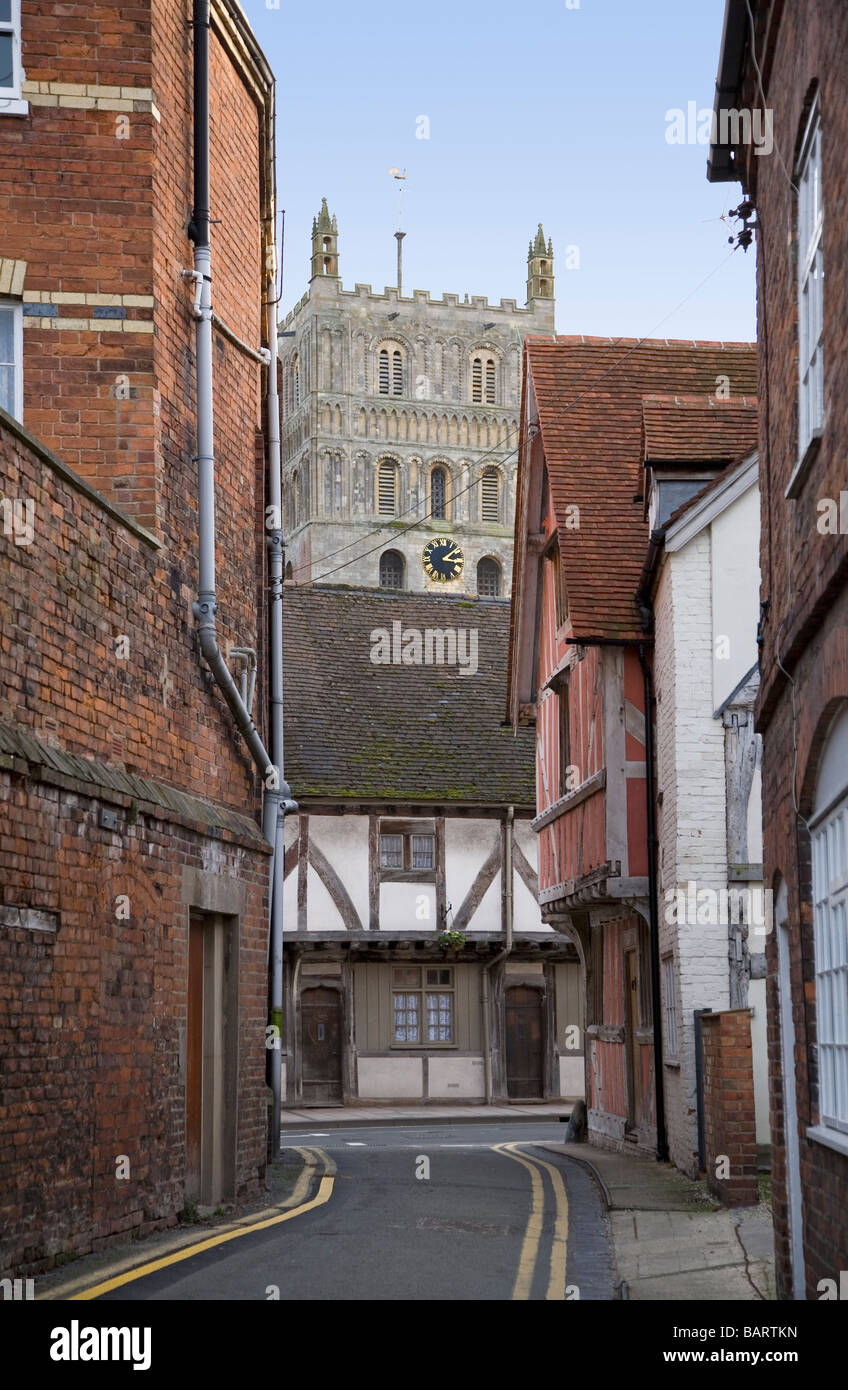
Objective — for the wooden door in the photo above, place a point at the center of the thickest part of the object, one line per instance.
(321, 1031)
(524, 1051)
(194, 1060)
(632, 1048)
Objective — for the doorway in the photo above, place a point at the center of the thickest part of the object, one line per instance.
(524, 1051)
(211, 1058)
(321, 1032)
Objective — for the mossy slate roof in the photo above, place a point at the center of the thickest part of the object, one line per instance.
(361, 731)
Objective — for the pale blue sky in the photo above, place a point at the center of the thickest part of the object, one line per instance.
(536, 112)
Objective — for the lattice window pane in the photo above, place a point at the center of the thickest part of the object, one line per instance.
(407, 1018)
(671, 1034)
(810, 288)
(423, 852)
(391, 570)
(391, 851)
(439, 1017)
(489, 579)
(438, 492)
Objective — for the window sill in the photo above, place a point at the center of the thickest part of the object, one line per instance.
(672, 1062)
(829, 1138)
(802, 468)
(423, 1047)
(14, 106)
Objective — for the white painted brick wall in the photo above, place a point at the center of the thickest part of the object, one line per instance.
(692, 821)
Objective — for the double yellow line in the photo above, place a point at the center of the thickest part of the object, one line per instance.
(532, 1236)
(294, 1206)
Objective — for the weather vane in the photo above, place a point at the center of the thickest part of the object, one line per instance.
(400, 233)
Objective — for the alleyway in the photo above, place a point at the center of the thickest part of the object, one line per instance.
(495, 1219)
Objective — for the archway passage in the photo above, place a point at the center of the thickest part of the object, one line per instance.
(321, 1029)
(524, 1050)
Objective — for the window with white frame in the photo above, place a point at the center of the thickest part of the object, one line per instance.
(11, 357)
(810, 285)
(830, 934)
(10, 51)
(672, 1039)
(423, 1005)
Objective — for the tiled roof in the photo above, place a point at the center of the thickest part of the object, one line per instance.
(589, 394)
(697, 427)
(356, 730)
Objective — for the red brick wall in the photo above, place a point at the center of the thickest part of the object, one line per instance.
(729, 1124)
(805, 573)
(92, 1021)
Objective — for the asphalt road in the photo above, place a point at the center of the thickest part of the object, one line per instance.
(461, 1212)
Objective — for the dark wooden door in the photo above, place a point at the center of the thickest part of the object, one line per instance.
(321, 1029)
(524, 1051)
(194, 1060)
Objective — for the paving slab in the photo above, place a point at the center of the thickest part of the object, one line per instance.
(672, 1239)
(338, 1117)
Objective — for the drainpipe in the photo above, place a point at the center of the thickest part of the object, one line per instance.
(507, 898)
(205, 607)
(653, 914)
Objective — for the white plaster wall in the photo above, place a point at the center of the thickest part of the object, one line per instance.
(344, 842)
(755, 819)
(526, 915)
(489, 916)
(408, 907)
(321, 912)
(735, 536)
(390, 1078)
(453, 1077)
(290, 835)
(572, 1077)
(759, 1045)
(468, 844)
(692, 823)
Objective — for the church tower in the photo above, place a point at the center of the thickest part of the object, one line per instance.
(540, 268)
(325, 245)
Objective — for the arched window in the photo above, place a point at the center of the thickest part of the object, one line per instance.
(387, 487)
(829, 830)
(390, 374)
(490, 495)
(438, 492)
(489, 578)
(327, 243)
(391, 570)
(288, 574)
(483, 375)
(326, 265)
(295, 380)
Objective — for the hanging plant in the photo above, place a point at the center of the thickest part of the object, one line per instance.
(451, 940)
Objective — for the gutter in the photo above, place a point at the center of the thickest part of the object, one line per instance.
(507, 900)
(721, 163)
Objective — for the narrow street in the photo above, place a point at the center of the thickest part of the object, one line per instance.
(498, 1217)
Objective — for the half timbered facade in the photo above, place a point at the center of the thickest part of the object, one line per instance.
(417, 964)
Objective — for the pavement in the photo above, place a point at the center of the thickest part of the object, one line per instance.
(355, 1116)
(672, 1240)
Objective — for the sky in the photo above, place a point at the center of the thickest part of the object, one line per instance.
(553, 111)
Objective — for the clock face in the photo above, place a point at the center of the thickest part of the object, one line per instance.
(443, 559)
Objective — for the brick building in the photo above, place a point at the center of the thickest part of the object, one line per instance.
(597, 479)
(798, 196)
(133, 871)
